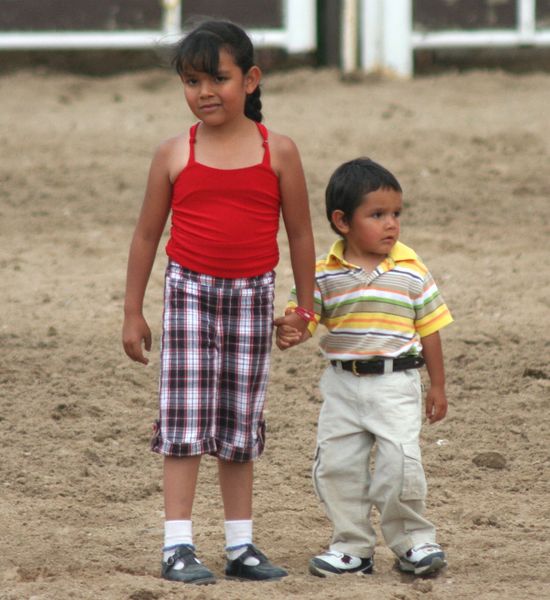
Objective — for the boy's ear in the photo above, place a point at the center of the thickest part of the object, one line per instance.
(340, 221)
(252, 79)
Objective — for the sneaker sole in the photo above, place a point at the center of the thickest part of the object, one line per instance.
(435, 565)
(320, 572)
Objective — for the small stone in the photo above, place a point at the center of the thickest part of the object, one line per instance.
(491, 460)
(485, 520)
(535, 373)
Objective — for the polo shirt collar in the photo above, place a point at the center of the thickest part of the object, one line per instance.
(399, 252)
(336, 253)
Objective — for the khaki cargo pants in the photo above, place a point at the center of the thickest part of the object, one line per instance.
(358, 412)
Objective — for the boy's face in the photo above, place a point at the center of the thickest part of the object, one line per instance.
(374, 226)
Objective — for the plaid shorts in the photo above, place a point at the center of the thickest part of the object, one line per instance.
(215, 357)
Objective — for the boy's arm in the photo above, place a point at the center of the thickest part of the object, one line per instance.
(436, 400)
(154, 212)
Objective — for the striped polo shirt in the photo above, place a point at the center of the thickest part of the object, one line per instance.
(384, 313)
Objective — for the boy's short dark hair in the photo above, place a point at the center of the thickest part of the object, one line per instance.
(350, 183)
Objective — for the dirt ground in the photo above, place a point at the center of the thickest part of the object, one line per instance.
(81, 501)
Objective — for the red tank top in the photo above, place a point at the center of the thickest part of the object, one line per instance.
(225, 221)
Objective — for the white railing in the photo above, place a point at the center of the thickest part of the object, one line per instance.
(388, 39)
(298, 33)
(376, 35)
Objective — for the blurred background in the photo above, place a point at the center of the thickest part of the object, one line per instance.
(402, 37)
(451, 96)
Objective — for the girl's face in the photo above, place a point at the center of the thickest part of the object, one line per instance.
(217, 99)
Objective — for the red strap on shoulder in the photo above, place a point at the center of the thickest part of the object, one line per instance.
(264, 133)
(192, 140)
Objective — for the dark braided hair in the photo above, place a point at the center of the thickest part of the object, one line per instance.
(200, 51)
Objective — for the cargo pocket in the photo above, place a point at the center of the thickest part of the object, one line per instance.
(414, 480)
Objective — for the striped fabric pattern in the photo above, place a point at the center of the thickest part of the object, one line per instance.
(380, 314)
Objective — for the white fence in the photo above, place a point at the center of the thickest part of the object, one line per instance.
(388, 40)
(298, 33)
(376, 35)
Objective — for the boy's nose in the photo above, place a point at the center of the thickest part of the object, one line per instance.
(392, 222)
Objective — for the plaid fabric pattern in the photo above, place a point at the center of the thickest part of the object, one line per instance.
(215, 359)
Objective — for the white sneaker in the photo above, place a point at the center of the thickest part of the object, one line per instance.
(423, 559)
(338, 563)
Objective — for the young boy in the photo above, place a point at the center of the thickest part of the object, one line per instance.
(383, 313)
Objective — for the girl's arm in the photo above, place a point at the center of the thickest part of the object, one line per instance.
(297, 220)
(152, 220)
(436, 400)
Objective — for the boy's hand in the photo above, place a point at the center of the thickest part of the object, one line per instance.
(436, 404)
(291, 330)
(136, 335)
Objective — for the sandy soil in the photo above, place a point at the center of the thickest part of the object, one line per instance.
(81, 502)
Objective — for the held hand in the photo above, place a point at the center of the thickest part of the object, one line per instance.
(436, 404)
(291, 330)
(286, 337)
(136, 335)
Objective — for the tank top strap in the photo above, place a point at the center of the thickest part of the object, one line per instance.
(192, 141)
(267, 156)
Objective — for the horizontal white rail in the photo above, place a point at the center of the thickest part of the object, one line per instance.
(479, 38)
(74, 40)
(298, 33)
(79, 40)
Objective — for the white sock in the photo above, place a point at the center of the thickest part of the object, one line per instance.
(237, 535)
(175, 534)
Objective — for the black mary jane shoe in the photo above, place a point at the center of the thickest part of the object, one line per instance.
(193, 570)
(262, 570)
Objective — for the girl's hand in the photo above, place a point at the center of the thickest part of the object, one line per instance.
(286, 337)
(136, 335)
(291, 330)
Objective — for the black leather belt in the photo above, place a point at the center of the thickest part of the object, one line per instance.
(379, 367)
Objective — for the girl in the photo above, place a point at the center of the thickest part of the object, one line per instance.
(225, 183)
